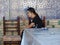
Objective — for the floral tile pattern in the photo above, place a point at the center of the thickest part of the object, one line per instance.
(13, 8)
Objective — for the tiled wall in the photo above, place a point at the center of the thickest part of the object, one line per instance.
(12, 8)
(1, 33)
(54, 23)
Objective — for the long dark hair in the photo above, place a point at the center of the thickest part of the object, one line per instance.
(33, 11)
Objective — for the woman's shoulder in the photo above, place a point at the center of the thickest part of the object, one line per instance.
(38, 17)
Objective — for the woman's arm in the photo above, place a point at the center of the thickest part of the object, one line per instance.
(30, 25)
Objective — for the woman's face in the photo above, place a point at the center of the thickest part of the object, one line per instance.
(29, 14)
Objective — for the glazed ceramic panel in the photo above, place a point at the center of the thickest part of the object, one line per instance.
(8, 6)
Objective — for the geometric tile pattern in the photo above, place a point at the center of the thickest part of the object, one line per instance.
(13, 8)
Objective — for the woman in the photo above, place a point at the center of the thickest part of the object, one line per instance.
(34, 19)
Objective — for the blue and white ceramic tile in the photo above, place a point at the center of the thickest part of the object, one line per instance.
(13, 8)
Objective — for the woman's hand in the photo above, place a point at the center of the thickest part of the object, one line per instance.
(29, 26)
